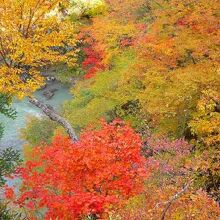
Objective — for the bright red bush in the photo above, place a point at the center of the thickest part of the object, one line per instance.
(104, 168)
(92, 62)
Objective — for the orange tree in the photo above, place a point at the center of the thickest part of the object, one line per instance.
(179, 61)
(175, 44)
(73, 180)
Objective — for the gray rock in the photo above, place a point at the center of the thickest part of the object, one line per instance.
(48, 94)
(53, 90)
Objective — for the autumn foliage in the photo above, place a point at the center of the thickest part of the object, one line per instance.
(33, 35)
(153, 64)
(88, 177)
(92, 63)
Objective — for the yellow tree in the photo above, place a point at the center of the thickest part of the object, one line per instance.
(33, 34)
(205, 126)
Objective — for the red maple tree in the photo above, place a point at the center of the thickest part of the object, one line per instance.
(92, 63)
(87, 177)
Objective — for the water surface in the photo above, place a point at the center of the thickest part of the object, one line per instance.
(24, 108)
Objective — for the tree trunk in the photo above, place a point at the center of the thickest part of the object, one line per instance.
(53, 115)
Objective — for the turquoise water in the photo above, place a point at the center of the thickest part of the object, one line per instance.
(24, 108)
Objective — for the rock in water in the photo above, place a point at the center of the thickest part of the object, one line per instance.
(48, 94)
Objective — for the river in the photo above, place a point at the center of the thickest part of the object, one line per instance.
(24, 108)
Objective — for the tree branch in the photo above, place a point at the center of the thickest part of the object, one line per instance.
(3, 53)
(50, 112)
(174, 198)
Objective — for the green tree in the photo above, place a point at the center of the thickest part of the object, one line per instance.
(5, 109)
(9, 160)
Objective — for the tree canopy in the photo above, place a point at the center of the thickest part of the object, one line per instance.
(33, 35)
(150, 70)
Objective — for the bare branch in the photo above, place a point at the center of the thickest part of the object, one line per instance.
(173, 199)
(3, 53)
(50, 112)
